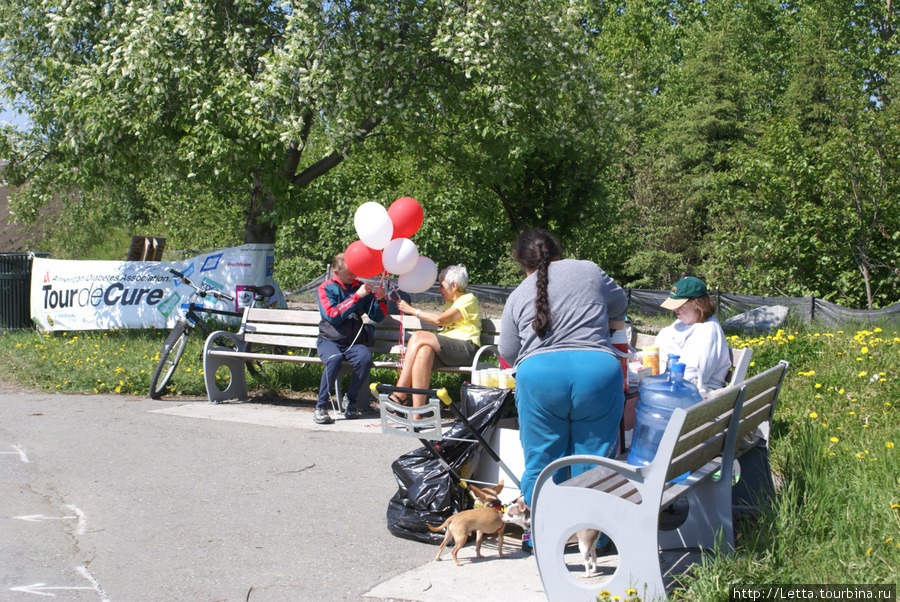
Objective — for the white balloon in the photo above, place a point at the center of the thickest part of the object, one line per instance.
(373, 225)
(420, 278)
(399, 256)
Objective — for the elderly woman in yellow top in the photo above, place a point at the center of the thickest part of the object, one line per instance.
(455, 344)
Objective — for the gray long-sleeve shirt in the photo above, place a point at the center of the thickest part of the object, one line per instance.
(583, 298)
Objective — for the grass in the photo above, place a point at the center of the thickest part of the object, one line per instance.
(836, 518)
(122, 361)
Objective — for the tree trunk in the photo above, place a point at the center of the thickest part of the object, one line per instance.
(259, 227)
(865, 273)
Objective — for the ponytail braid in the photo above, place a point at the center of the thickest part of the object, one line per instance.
(535, 249)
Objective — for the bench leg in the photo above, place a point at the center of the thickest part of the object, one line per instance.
(755, 486)
(708, 521)
(364, 397)
(236, 389)
(561, 511)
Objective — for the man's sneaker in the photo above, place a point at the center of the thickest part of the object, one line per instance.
(350, 412)
(321, 416)
(345, 401)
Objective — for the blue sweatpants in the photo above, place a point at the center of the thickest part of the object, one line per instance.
(569, 403)
(332, 356)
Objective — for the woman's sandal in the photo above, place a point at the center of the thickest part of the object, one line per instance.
(393, 398)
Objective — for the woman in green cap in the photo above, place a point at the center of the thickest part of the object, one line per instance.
(696, 335)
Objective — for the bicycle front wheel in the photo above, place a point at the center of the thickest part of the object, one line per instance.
(171, 353)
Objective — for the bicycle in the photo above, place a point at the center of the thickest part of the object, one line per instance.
(175, 343)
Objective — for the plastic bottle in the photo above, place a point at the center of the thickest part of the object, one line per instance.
(651, 359)
(654, 408)
(663, 376)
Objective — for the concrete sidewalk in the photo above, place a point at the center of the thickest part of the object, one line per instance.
(491, 577)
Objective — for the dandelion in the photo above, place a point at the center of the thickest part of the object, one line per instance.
(864, 350)
(818, 385)
(834, 439)
(813, 415)
(869, 552)
(889, 445)
(895, 506)
(841, 392)
(861, 374)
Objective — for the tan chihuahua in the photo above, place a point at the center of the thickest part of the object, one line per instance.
(483, 520)
(520, 514)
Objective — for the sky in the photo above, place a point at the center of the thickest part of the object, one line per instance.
(8, 115)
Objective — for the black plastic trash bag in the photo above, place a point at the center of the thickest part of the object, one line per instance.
(428, 493)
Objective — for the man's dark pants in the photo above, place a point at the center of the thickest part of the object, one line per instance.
(333, 355)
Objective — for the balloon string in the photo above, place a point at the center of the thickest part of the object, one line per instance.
(391, 290)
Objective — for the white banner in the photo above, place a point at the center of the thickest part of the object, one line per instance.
(104, 295)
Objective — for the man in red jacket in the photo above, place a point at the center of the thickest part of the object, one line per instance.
(343, 336)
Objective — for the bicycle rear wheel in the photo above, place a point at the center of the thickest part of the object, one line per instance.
(171, 353)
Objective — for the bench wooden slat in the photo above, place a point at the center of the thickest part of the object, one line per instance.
(284, 329)
(282, 316)
(292, 342)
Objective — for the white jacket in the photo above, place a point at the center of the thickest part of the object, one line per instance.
(703, 350)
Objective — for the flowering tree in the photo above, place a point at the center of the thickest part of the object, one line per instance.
(264, 97)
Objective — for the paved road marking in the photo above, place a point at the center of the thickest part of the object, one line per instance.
(38, 518)
(42, 589)
(20, 452)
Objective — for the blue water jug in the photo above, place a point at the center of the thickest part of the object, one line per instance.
(656, 402)
(662, 377)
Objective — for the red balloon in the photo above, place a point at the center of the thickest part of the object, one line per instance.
(363, 261)
(407, 216)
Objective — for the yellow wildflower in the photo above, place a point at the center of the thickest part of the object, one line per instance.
(889, 445)
(818, 385)
(813, 415)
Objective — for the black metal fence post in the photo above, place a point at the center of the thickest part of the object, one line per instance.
(15, 289)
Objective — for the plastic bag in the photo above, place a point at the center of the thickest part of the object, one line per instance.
(428, 493)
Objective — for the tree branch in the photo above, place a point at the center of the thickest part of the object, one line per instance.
(323, 166)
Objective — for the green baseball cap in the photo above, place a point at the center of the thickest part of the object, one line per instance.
(683, 291)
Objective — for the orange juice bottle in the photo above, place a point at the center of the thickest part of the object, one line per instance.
(651, 359)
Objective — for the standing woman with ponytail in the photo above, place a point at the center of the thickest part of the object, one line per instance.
(555, 332)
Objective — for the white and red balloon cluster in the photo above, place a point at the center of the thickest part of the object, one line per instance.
(384, 245)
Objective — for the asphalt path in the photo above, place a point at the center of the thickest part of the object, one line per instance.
(104, 498)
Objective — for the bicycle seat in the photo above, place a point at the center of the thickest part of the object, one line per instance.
(266, 290)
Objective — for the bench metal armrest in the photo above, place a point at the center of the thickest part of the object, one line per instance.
(629, 471)
(492, 349)
(239, 344)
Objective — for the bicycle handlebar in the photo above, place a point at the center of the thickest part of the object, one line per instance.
(201, 292)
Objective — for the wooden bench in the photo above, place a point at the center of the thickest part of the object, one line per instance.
(295, 332)
(626, 501)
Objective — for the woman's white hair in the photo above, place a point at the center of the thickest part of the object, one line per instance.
(455, 274)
